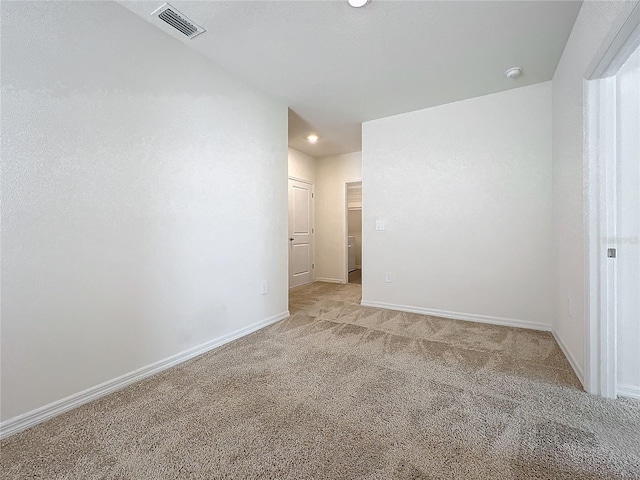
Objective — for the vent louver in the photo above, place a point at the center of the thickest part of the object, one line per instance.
(171, 16)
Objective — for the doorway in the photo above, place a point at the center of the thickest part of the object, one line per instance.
(354, 232)
(627, 225)
(613, 340)
(301, 233)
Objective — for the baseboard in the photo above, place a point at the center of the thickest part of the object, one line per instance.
(572, 361)
(303, 285)
(628, 391)
(470, 317)
(39, 415)
(329, 280)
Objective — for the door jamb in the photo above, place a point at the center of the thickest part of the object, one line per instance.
(600, 204)
(346, 227)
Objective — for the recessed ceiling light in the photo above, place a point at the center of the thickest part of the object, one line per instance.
(313, 138)
(358, 3)
(513, 72)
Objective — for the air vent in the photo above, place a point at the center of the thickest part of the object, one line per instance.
(171, 16)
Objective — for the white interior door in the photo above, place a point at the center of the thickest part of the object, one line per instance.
(627, 226)
(613, 214)
(300, 233)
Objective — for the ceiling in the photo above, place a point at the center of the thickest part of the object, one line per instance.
(337, 66)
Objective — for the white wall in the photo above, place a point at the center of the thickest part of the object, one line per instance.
(302, 166)
(628, 227)
(465, 191)
(144, 199)
(331, 224)
(590, 29)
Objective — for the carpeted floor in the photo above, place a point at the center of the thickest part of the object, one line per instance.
(355, 277)
(339, 391)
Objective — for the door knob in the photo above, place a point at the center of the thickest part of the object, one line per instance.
(291, 239)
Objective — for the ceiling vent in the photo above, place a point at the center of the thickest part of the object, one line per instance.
(171, 16)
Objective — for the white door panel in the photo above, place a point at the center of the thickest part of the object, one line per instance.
(302, 257)
(627, 224)
(301, 213)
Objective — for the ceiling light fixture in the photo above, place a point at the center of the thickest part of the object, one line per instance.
(313, 138)
(513, 72)
(358, 3)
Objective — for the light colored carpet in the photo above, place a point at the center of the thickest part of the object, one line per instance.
(340, 391)
(356, 277)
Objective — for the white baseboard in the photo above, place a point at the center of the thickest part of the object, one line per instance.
(329, 280)
(39, 415)
(572, 361)
(628, 391)
(470, 317)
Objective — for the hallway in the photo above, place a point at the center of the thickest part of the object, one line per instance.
(356, 277)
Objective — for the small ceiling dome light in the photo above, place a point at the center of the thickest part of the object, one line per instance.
(313, 138)
(513, 72)
(358, 3)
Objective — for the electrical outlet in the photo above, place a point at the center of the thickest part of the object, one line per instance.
(380, 224)
(387, 278)
(264, 287)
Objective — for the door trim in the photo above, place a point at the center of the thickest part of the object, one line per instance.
(600, 204)
(296, 179)
(345, 227)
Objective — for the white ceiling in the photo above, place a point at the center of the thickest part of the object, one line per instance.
(336, 66)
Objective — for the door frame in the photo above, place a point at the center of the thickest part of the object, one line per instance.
(600, 203)
(313, 231)
(346, 227)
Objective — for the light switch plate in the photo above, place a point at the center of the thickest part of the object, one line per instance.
(264, 287)
(380, 224)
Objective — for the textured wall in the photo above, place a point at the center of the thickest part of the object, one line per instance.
(302, 166)
(465, 191)
(592, 25)
(144, 199)
(331, 216)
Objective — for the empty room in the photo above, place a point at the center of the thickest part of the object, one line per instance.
(344, 239)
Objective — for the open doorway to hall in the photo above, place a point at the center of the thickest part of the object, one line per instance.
(613, 354)
(354, 232)
(626, 217)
